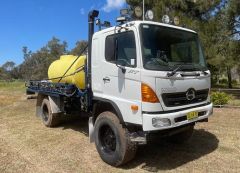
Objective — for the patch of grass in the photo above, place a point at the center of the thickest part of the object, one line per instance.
(234, 102)
(12, 85)
(8, 100)
(11, 92)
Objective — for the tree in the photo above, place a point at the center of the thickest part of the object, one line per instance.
(8, 66)
(80, 46)
(26, 53)
(187, 10)
(35, 65)
(233, 18)
(5, 70)
(55, 48)
(225, 46)
(2, 74)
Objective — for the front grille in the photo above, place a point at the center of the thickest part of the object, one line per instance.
(180, 99)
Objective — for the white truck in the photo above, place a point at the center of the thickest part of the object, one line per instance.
(142, 78)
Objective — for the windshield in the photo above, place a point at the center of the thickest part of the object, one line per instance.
(166, 48)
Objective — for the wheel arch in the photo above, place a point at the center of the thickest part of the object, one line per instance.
(101, 105)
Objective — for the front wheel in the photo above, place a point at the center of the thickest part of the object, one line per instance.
(112, 140)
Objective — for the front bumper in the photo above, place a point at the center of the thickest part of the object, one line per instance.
(177, 118)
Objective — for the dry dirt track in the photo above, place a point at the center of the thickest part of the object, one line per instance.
(27, 146)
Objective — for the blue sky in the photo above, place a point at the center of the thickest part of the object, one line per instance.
(32, 23)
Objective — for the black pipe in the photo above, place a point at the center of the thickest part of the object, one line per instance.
(91, 18)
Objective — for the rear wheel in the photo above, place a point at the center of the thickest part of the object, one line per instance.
(112, 140)
(48, 118)
(183, 136)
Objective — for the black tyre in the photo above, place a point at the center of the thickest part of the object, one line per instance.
(112, 140)
(183, 136)
(49, 119)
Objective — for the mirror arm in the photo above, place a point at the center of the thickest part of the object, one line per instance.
(122, 68)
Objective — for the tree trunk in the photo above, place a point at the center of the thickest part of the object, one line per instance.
(218, 76)
(229, 77)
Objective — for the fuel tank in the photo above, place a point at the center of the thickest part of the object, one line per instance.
(75, 74)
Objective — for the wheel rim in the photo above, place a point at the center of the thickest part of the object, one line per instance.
(45, 113)
(107, 139)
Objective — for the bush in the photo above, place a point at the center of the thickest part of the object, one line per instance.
(220, 98)
(223, 81)
(234, 82)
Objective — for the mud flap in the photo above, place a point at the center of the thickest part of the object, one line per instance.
(40, 98)
(138, 137)
(56, 105)
(91, 129)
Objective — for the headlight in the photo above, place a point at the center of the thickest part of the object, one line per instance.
(161, 122)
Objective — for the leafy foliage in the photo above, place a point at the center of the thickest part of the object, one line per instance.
(35, 65)
(220, 98)
(6, 70)
(80, 45)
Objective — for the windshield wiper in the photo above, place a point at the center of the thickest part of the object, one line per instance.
(201, 69)
(173, 72)
(204, 72)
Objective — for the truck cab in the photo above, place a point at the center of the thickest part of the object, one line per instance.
(154, 73)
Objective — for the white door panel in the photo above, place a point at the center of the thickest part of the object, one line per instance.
(122, 88)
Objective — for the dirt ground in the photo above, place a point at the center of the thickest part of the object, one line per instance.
(27, 146)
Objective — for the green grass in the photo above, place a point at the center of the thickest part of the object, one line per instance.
(234, 102)
(12, 85)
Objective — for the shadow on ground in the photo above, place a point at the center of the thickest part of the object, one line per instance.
(161, 155)
(77, 123)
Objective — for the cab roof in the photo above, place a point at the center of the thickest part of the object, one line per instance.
(137, 23)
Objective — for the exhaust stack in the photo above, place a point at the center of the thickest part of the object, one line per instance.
(91, 18)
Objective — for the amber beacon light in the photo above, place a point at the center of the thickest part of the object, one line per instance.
(148, 95)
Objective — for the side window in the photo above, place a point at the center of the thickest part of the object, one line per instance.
(109, 49)
(126, 49)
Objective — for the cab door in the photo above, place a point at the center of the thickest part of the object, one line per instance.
(121, 74)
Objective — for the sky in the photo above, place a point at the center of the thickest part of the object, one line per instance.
(33, 23)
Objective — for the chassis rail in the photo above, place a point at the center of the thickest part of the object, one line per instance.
(54, 89)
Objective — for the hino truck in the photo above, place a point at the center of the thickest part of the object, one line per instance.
(139, 78)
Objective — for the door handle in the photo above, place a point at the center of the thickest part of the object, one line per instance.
(106, 79)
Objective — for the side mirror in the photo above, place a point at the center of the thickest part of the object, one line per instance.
(133, 62)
